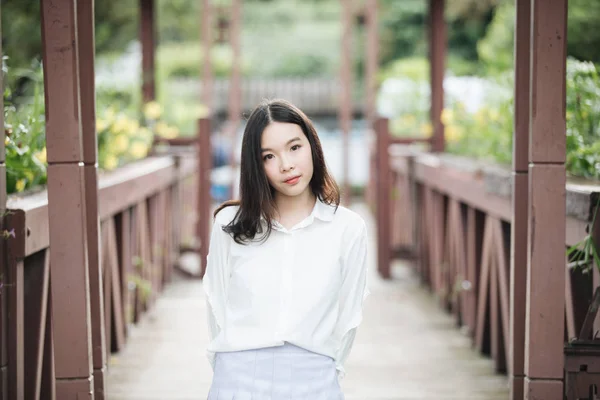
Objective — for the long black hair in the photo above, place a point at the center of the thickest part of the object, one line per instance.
(257, 196)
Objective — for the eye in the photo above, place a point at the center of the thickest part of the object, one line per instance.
(295, 147)
(267, 157)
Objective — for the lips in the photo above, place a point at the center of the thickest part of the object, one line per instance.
(292, 180)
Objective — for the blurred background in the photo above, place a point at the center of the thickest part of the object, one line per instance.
(298, 41)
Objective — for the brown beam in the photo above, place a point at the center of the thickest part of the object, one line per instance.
(3, 260)
(518, 246)
(383, 198)
(372, 63)
(148, 39)
(66, 201)
(345, 101)
(207, 41)
(86, 49)
(235, 86)
(545, 311)
(204, 199)
(437, 59)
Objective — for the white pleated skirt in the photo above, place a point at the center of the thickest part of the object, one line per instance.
(284, 372)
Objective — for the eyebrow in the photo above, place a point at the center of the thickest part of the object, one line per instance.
(288, 142)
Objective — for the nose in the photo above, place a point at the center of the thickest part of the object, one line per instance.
(286, 164)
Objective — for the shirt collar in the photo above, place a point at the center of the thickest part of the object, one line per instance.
(321, 210)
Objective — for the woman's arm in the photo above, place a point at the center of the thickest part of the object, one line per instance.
(353, 292)
(215, 283)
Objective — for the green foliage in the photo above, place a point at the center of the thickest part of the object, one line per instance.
(585, 254)
(488, 133)
(291, 38)
(184, 60)
(402, 29)
(123, 136)
(121, 139)
(495, 49)
(24, 128)
(116, 25)
(417, 68)
(21, 31)
(485, 134)
(583, 119)
(583, 36)
(178, 20)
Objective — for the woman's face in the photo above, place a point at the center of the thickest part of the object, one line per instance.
(287, 158)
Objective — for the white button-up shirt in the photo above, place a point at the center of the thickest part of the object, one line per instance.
(304, 286)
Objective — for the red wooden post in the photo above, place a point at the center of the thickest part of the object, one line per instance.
(235, 89)
(371, 65)
(13, 298)
(3, 263)
(2, 155)
(518, 247)
(345, 100)
(66, 202)
(383, 197)
(204, 198)
(545, 310)
(437, 56)
(148, 39)
(207, 41)
(86, 49)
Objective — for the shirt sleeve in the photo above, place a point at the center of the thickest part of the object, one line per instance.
(354, 291)
(215, 282)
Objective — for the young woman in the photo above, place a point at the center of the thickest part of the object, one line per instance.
(286, 274)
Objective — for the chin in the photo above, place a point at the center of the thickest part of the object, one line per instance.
(294, 191)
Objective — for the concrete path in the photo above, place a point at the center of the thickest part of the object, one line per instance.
(406, 349)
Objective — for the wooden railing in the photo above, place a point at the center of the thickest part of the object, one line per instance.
(315, 96)
(142, 224)
(453, 215)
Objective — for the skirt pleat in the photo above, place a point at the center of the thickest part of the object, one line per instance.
(285, 372)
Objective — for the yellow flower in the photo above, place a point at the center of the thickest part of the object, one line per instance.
(494, 115)
(6, 141)
(427, 129)
(109, 113)
(163, 130)
(120, 143)
(20, 185)
(110, 162)
(152, 110)
(409, 119)
(101, 125)
(29, 175)
(169, 132)
(452, 133)
(447, 116)
(139, 150)
(121, 125)
(480, 116)
(145, 133)
(132, 126)
(202, 111)
(41, 156)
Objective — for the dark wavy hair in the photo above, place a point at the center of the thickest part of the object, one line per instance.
(257, 196)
